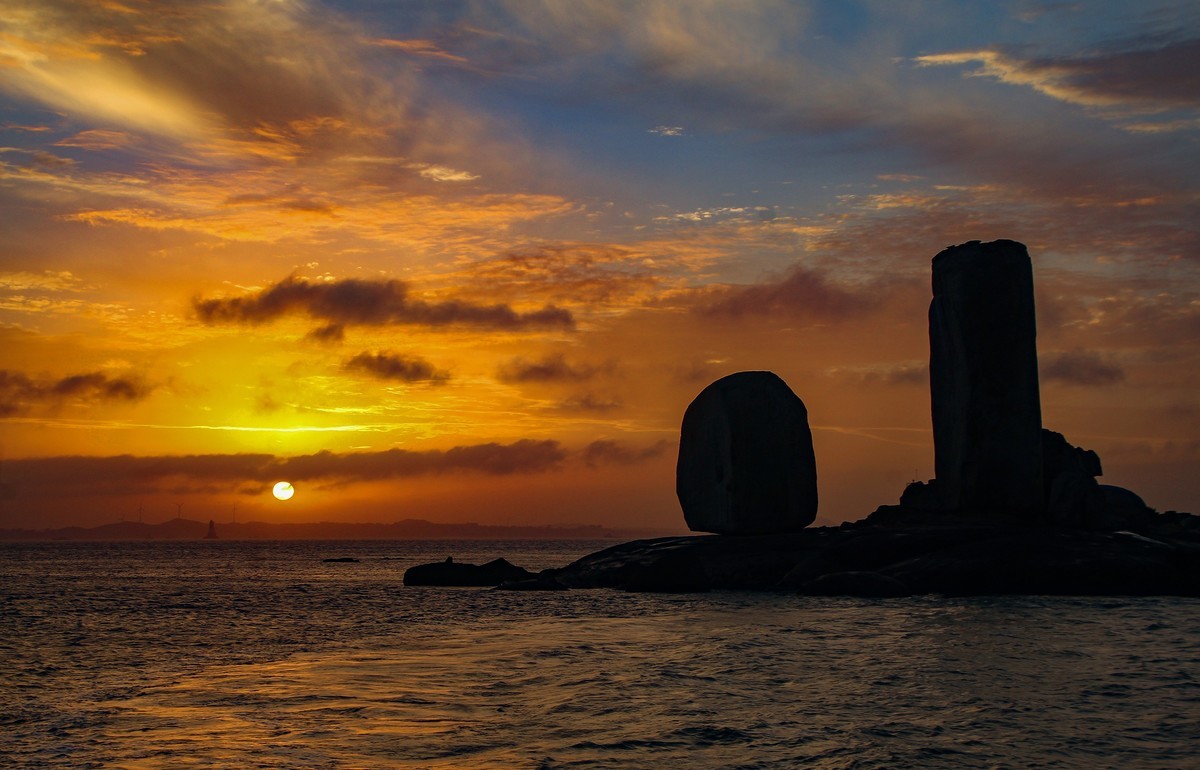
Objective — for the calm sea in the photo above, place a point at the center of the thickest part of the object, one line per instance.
(261, 655)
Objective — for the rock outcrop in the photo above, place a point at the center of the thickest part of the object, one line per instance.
(1070, 475)
(885, 556)
(453, 573)
(746, 463)
(983, 379)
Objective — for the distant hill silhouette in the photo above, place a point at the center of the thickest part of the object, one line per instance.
(408, 529)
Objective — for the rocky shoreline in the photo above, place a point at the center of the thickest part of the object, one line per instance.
(877, 558)
(892, 553)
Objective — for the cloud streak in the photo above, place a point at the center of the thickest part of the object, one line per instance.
(68, 476)
(1080, 367)
(250, 473)
(355, 301)
(19, 393)
(390, 366)
(1143, 79)
(903, 374)
(607, 452)
(802, 293)
(550, 368)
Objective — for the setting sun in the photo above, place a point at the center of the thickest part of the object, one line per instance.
(283, 491)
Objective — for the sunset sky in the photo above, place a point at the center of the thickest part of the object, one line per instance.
(470, 261)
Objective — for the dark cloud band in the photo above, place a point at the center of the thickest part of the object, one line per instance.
(550, 368)
(354, 301)
(19, 393)
(389, 366)
(74, 476)
(127, 474)
(801, 293)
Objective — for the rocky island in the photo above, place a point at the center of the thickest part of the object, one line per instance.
(1014, 508)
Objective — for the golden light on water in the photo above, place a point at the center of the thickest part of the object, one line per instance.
(283, 490)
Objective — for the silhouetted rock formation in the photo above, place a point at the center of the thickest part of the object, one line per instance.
(746, 462)
(877, 559)
(452, 573)
(983, 380)
(1073, 497)
(1014, 509)
(1070, 477)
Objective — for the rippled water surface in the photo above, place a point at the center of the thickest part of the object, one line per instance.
(243, 655)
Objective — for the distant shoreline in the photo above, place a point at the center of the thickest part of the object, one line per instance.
(407, 529)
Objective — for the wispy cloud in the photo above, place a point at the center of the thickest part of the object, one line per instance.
(904, 374)
(424, 48)
(330, 334)
(802, 293)
(1149, 78)
(606, 452)
(550, 368)
(572, 274)
(1080, 367)
(444, 173)
(98, 139)
(590, 402)
(47, 280)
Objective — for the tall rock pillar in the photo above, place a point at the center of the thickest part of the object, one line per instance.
(983, 378)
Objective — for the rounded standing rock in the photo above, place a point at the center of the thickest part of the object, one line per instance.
(746, 464)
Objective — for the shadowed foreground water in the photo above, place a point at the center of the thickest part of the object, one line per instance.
(259, 655)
